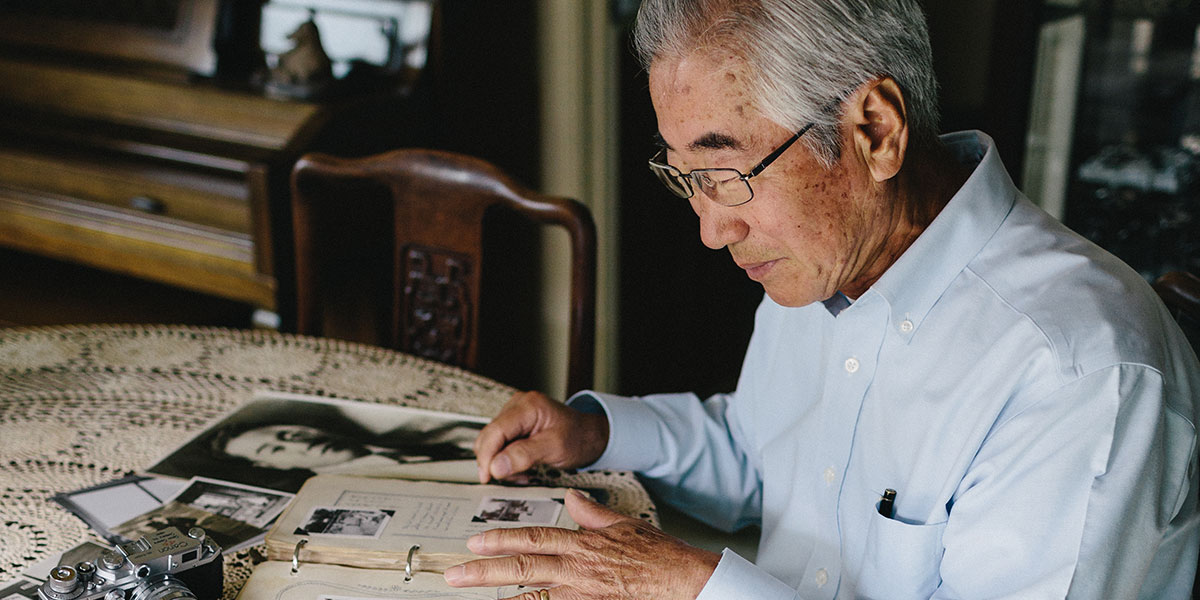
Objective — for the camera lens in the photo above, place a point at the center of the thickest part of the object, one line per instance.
(161, 587)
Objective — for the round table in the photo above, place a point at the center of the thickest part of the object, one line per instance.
(84, 405)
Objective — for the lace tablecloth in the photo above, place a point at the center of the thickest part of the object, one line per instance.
(81, 406)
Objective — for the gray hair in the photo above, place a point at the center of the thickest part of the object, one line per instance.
(804, 55)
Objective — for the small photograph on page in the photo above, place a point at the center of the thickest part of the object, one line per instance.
(523, 511)
(348, 522)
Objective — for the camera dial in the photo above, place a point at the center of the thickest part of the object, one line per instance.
(63, 583)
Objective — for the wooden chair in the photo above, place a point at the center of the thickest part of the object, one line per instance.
(425, 218)
(1180, 291)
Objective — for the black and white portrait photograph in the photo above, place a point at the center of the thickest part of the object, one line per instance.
(278, 442)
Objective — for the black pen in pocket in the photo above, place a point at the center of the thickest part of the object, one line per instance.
(887, 503)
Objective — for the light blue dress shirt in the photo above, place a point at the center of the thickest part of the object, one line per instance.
(1024, 392)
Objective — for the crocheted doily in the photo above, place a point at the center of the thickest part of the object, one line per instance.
(81, 406)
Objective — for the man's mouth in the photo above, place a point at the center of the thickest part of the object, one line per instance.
(758, 270)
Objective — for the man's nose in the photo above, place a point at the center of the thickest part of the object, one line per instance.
(720, 225)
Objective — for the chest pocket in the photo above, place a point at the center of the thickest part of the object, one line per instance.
(901, 560)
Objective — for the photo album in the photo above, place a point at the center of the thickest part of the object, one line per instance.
(374, 523)
(405, 532)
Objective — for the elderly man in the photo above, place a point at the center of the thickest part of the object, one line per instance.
(947, 393)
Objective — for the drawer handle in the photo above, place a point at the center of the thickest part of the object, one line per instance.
(147, 204)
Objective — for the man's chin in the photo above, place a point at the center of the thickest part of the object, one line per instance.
(788, 297)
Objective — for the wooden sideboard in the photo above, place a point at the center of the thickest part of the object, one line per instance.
(169, 181)
(163, 173)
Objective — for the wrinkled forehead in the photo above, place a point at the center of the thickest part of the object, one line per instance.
(699, 95)
(700, 71)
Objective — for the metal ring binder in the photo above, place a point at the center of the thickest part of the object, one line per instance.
(296, 555)
(408, 562)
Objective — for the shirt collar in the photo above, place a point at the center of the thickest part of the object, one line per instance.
(836, 303)
(913, 284)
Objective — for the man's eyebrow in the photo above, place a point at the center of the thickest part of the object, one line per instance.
(709, 141)
(715, 141)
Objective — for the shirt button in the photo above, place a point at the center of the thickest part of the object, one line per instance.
(851, 365)
(822, 577)
(906, 326)
(829, 475)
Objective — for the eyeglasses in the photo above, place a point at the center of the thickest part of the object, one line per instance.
(728, 187)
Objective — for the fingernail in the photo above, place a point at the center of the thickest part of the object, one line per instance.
(454, 574)
(501, 467)
(475, 543)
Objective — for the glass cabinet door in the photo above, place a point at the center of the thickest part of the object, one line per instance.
(1114, 140)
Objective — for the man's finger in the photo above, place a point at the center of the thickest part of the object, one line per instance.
(590, 514)
(524, 454)
(525, 569)
(513, 422)
(523, 540)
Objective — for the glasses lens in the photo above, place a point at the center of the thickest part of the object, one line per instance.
(670, 177)
(724, 186)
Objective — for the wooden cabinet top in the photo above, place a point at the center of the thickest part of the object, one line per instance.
(202, 113)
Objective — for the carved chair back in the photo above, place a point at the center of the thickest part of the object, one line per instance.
(439, 206)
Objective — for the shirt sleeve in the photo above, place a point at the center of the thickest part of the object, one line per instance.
(689, 453)
(736, 577)
(1071, 497)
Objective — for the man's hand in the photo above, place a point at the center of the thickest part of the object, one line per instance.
(532, 429)
(611, 556)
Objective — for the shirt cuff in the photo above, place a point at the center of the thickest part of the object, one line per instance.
(736, 577)
(631, 423)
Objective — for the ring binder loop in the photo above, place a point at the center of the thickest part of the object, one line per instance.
(408, 562)
(296, 555)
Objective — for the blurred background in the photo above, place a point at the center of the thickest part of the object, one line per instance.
(145, 147)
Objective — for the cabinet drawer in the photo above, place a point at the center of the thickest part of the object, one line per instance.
(205, 198)
(197, 257)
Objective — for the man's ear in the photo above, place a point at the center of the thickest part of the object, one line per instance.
(880, 122)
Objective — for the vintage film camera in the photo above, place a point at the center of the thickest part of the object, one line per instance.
(164, 565)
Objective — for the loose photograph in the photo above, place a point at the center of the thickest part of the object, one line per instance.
(111, 503)
(232, 515)
(19, 589)
(248, 504)
(279, 441)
